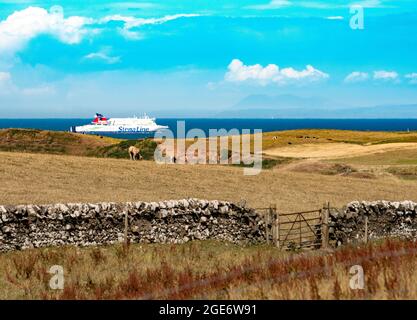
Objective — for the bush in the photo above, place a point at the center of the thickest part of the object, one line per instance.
(147, 148)
(408, 173)
(267, 163)
(120, 150)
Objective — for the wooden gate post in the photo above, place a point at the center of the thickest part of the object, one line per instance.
(277, 225)
(274, 222)
(267, 215)
(325, 226)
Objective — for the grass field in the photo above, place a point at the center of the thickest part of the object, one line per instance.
(313, 136)
(323, 167)
(36, 176)
(339, 150)
(39, 178)
(54, 142)
(403, 156)
(211, 270)
(319, 166)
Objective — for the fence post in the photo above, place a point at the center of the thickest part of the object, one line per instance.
(325, 226)
(267, 226)
(277, 224)
(271, 216)
(274, 222)
(366, 229)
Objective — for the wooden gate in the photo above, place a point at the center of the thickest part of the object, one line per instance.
(297, 230)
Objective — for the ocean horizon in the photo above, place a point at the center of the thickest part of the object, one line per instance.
(266, 125)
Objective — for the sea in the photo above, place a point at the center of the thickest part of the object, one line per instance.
(214, 123)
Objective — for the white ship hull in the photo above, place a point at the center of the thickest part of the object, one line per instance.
(102, 125)
(97, 129)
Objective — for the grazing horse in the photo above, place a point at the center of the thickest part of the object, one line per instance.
(134, 153)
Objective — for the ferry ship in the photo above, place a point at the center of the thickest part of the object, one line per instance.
(135, 125)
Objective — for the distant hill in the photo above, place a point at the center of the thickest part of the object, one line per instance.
(383, 111)
(291, 106)
(286, 101)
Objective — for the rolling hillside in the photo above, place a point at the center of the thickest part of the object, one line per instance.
(54, 142)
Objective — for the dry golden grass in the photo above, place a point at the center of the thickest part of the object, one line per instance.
(43, 141)
(37, 178)
(96, 272)
(212, 270)
(55, 142)
(312, 136)
(398, 157)
(41, 178)
(339, 150)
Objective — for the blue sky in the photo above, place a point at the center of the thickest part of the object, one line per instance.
(75, 58)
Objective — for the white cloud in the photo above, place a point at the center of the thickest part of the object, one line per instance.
(132, 22)
(131, 35)
(103, 55)
(21, 26)
(412, 77)
(356, 76)
(277, 4)
(332, 5)
(367, 3)
(335, 18)
(378, 76)
(385, 75)
(238, 72)
(274, 4)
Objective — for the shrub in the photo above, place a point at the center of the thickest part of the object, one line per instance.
(120, 150)
(147, 148)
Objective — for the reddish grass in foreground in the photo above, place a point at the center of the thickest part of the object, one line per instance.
(195, 271)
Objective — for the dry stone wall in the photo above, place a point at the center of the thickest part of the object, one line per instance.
(27, 226)
(179, 221)
(385, 219)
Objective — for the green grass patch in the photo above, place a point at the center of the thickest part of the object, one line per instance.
(121, 150)
(407, 173)
(267, 163)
